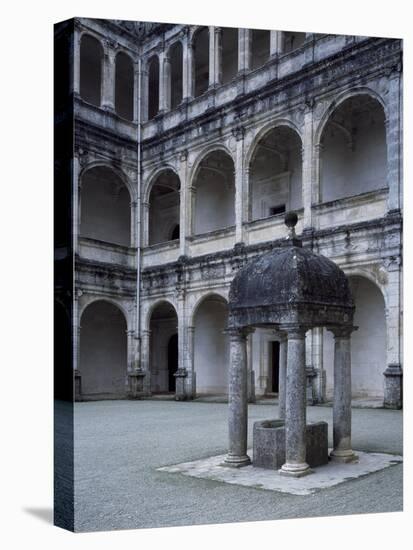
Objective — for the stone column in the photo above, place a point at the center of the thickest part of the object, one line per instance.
(393, 387)
(316, 187)
(76, 59)
(308, 166)
(282, 377)
(295, 407)
(183, 194)
(250, 371)
(187, 69)
(108, 83)
(133, 206)
(165, 83)
(244, 50)
(144, 92)
(394, 139)
(239, 184)
(218, 56)
(191, 210)
(320, 382)
(145, 225)
(393, 375)
(212, 57)
(342, 451)
(136, 76)
(76, 203)
(275, 43)
(238, 401)
(189, 362)
(145, 359)
(76, 348)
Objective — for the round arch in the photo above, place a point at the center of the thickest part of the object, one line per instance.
(338, 100)
(210, 294)
(203, 154)
(263, 131)
(117, 171)
(154, 175)
(108, 300)
(154, 306)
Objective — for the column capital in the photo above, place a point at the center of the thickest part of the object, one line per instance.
(342, 331)
(294, 331)
(238, 132)
(183, 155)
(238, 333)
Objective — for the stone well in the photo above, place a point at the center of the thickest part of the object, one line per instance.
(269, 444)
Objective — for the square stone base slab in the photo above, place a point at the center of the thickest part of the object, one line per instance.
(322, 477)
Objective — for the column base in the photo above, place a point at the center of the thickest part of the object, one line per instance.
(136, 384)
(343, 457)
(295, 470)
(393, 387)
(231, 461)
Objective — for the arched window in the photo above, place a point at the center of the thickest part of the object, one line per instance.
(153, 91)
(201, 60)
(353, 154)
(229, 54)
(164, 207)
(214, 182)
(175, 54)
(124, 82)
(91, 56)
(105, 207)
(260, 48)
(275, 174)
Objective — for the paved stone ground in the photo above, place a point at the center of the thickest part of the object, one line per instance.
(120, 444)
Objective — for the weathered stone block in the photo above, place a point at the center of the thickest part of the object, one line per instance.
(269, 444)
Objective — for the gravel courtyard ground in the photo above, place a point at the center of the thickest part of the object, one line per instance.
(119, 445)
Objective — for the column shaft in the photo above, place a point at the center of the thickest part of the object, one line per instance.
(244, 50)
(238, 402)
(183, 210)
(282, 378)
(188, 70)
(211, 57)
(295, 409)
(394, 137)
(239, 186)
(108, 95)
(308, 167)
(342, 397)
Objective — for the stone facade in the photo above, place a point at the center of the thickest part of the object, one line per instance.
(198, 139)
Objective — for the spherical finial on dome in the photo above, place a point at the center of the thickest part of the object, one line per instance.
(291, 219)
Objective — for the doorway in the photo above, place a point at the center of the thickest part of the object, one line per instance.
(172, 361)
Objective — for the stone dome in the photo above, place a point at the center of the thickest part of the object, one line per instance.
(290, 284)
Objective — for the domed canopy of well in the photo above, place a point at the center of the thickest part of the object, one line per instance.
(290, 284)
